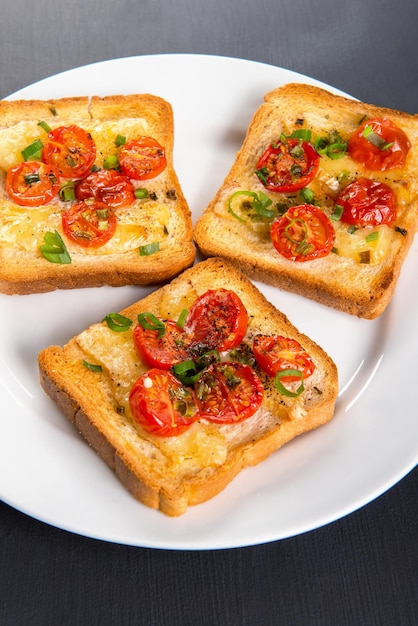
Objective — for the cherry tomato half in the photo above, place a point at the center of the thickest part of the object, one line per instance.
(277, 353)
(142, 158)
(71, 150)
(303, 233)
(108, 186)
(378, 144)
(288, 166)
(367, 202)
(217, 320)
(90, 224)
(228, 393)
(161, 404)
(32, 183)
(162, 352)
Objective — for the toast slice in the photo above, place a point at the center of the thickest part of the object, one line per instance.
(170, 473)
(359, 273)
(153, 237)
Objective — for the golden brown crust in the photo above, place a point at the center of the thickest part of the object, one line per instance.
(24, 270)
(336, 281)
(140, 464)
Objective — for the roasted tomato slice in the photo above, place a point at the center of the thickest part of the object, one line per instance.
(378, 144)
(228, 393)
(89, 223)
(367, 202)
(71, 150)
(277, 353)
(161, 404)
(217, 320)
(160, 351)
(108, 186)
(32, 183)
(288, 165)
(142, 158)
(303, 233)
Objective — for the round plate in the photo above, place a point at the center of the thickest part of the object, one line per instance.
(48, 472)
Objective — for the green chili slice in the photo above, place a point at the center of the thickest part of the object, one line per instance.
(282, 389)
(92, 366)
(150, 248)
(33, 151)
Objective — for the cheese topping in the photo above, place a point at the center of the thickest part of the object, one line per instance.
(204, 444)
(144, 222)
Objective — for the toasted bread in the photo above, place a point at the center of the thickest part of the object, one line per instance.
(161, 218)
(360, 273)
(171, 473)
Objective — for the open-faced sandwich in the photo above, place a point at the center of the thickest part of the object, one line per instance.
(321, 199)
(184, 389)
(89, 195)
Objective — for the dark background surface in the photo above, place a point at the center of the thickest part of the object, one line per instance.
(360, 570)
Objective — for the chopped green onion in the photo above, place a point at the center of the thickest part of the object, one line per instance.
(67, 191)
(282, 389)
(182, 318)
(45, 126)
(92, 366)
(336, 150)
(302, 133)
(375, 139)
(374, 236)
(337, 212)
(53, 111)
(307, 195)
(352, 229)
(111, 162)
(186, 372)
(54, 249)
(150, 248)
(117, 322)
(33, 151)
(31, 179)
(332, 146)
(141, 193)
(120, 140)
(148, 321)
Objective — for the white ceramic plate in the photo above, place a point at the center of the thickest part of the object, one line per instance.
(49, 473)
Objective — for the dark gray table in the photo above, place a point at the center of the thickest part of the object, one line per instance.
(360, 570)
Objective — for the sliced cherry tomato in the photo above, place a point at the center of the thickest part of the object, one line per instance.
(278, 353)
(217, 320)
(303, 233)
(228, 393)
(71, 150)
(90, 224)
(288, 165)
(161, 404)
(162, 352)
(367, 202)
(32, 183)
(378, 144)
(108, 186)
(142, 158)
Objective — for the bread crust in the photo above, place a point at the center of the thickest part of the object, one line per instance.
(336, 281)
(146, 468)
(24, 270)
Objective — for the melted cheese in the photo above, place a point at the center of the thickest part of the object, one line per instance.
(204, 444)
(144, 222)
